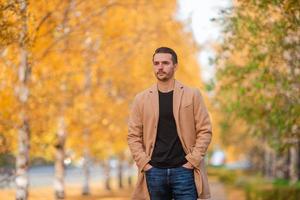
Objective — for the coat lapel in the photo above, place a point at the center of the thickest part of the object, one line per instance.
(178, 91)
(153, 92)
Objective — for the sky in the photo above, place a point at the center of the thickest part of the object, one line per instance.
(198, 14)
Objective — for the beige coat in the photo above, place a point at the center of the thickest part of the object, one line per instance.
(193, 127)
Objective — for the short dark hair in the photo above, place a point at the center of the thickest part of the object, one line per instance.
(166, 50)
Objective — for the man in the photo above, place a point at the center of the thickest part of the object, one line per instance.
(169, 131)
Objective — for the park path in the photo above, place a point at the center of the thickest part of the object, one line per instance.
(217, 190)
(73, 193)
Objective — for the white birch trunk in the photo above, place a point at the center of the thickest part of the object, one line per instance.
(120, 174)
(86, 173)
(59, 189)
(107, 175)
(294, 160)
(22, 92)
(86, 133)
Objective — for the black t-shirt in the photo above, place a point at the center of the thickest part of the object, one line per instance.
(168, 151)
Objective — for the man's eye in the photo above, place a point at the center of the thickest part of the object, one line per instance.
(156, 63)
(165, 62)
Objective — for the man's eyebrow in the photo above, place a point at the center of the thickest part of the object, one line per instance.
(164, 61)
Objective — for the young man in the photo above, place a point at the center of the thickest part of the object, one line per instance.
(169, 131)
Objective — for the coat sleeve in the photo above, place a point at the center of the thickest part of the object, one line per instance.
(203, 131)
(135, 135)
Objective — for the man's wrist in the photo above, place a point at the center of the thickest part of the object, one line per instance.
(188, 165)
(147, 167)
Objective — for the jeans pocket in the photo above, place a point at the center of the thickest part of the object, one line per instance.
(187, 168)
(149, 170)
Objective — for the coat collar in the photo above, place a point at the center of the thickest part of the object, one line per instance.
(178, 91)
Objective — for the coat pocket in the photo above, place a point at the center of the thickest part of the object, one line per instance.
(187, 104)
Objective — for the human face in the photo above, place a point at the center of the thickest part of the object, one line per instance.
(163, 66)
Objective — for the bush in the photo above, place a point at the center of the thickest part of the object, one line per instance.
(228, 177)
(260, 192)
(256, 187)
(7, 160)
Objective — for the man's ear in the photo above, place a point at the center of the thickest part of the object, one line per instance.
(175, 67)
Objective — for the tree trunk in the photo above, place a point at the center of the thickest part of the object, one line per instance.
(22, 164)
(120, 174)
(86, 134)
(282, 166)
(59, 189)
(267, 162)
(294, 160)
(298, 160)
(129, 179)
(107, 175)
(22, 92)
(86, 172)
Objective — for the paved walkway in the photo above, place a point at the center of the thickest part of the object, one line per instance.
(217, 190)
(74, 193)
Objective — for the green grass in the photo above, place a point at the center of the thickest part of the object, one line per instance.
(256, 187)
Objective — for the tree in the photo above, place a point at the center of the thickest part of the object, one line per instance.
(258, 74)
(84, 64)
(23, 90)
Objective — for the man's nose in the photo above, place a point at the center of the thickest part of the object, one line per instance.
(160, 66)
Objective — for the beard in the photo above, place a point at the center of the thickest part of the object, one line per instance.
(163, 76)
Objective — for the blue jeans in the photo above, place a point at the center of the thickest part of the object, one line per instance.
(172, 183)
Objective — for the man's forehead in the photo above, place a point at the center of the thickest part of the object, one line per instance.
(162, 56)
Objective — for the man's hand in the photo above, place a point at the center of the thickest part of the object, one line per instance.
(188, 165)
(147, 167)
